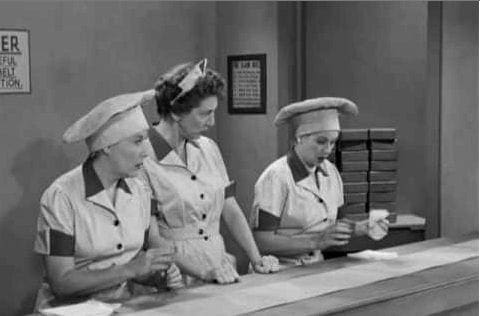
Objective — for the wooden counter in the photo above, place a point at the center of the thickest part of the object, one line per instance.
(450, 288)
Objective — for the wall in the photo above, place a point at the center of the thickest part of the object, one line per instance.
(247, 141)
(459, 118)
(376, 54)
(81, 53)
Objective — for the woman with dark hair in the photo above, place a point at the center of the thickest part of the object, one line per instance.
(189, 179)
(297, 197)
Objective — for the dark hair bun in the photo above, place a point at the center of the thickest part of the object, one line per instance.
(166, 90)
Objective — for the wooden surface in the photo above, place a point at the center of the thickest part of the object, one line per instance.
(445, 288)
(448, 287)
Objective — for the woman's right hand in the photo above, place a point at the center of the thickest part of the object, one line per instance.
(150, 261)
(335, 235)
(225, 274)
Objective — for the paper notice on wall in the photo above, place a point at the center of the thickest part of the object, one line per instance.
(14, 61)
(246, 82)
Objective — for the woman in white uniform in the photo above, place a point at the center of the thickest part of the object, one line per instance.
(190, 182)
(297, 196)
(95, 229)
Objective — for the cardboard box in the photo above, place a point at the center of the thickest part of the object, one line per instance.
(383, 186)
(389, 206)
(384, 154)
(360, 155)
(352, 198)
(383, 165)
(383, 144)
(382, 176)
(355, 187)
(353, 134)
(354, 166)
(382, 196)
(357, 176)
(382, 133)
(352, 209)
(352, 145)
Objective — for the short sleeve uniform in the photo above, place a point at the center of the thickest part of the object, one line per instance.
(190, 197)
(78, 220)
(293, 198)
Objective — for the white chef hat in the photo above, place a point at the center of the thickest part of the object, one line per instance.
(111, 121)
(315, 115)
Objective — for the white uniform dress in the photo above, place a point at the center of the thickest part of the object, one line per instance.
(78, 220)
(290, 199)
(190, 198)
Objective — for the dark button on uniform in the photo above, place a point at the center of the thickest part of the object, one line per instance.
(119, 246)
(202, 196)
(206, 237)
(193, 177)
(320, 200)
(116, 222)
(204, 216)
(200, 231)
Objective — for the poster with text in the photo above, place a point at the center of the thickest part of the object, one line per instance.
(14, 61)
(247, 84)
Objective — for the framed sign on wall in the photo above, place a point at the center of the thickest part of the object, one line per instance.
(14, 61)
(247, 89)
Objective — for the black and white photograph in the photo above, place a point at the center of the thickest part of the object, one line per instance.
(239, 157)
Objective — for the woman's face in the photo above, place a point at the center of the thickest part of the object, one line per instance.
(313, 149)
(128, 154)
(199, 119)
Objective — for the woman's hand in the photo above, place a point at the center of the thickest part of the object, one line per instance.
(361, 228)
(266, 264)
(335, 235)
(150, 261)
(174, 278)
(225, 274)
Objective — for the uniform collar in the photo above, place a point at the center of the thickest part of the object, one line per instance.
(296, 165)
(299, 171)
(93, 185)
(160, 146)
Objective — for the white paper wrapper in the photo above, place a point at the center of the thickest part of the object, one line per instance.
(375, 231)
(373, 255)
(88, 308)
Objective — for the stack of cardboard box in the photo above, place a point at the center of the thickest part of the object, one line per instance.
(367, 160)
(382, 176)
(352, 160)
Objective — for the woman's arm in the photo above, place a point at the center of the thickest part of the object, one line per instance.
(238, 226)
(66, 281)
(270, 242)
(282, 245)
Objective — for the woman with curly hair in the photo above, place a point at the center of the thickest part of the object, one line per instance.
(190, 182)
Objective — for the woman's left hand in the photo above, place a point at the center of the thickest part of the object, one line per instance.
(174, 277)
(361, 228)
(266, 264)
